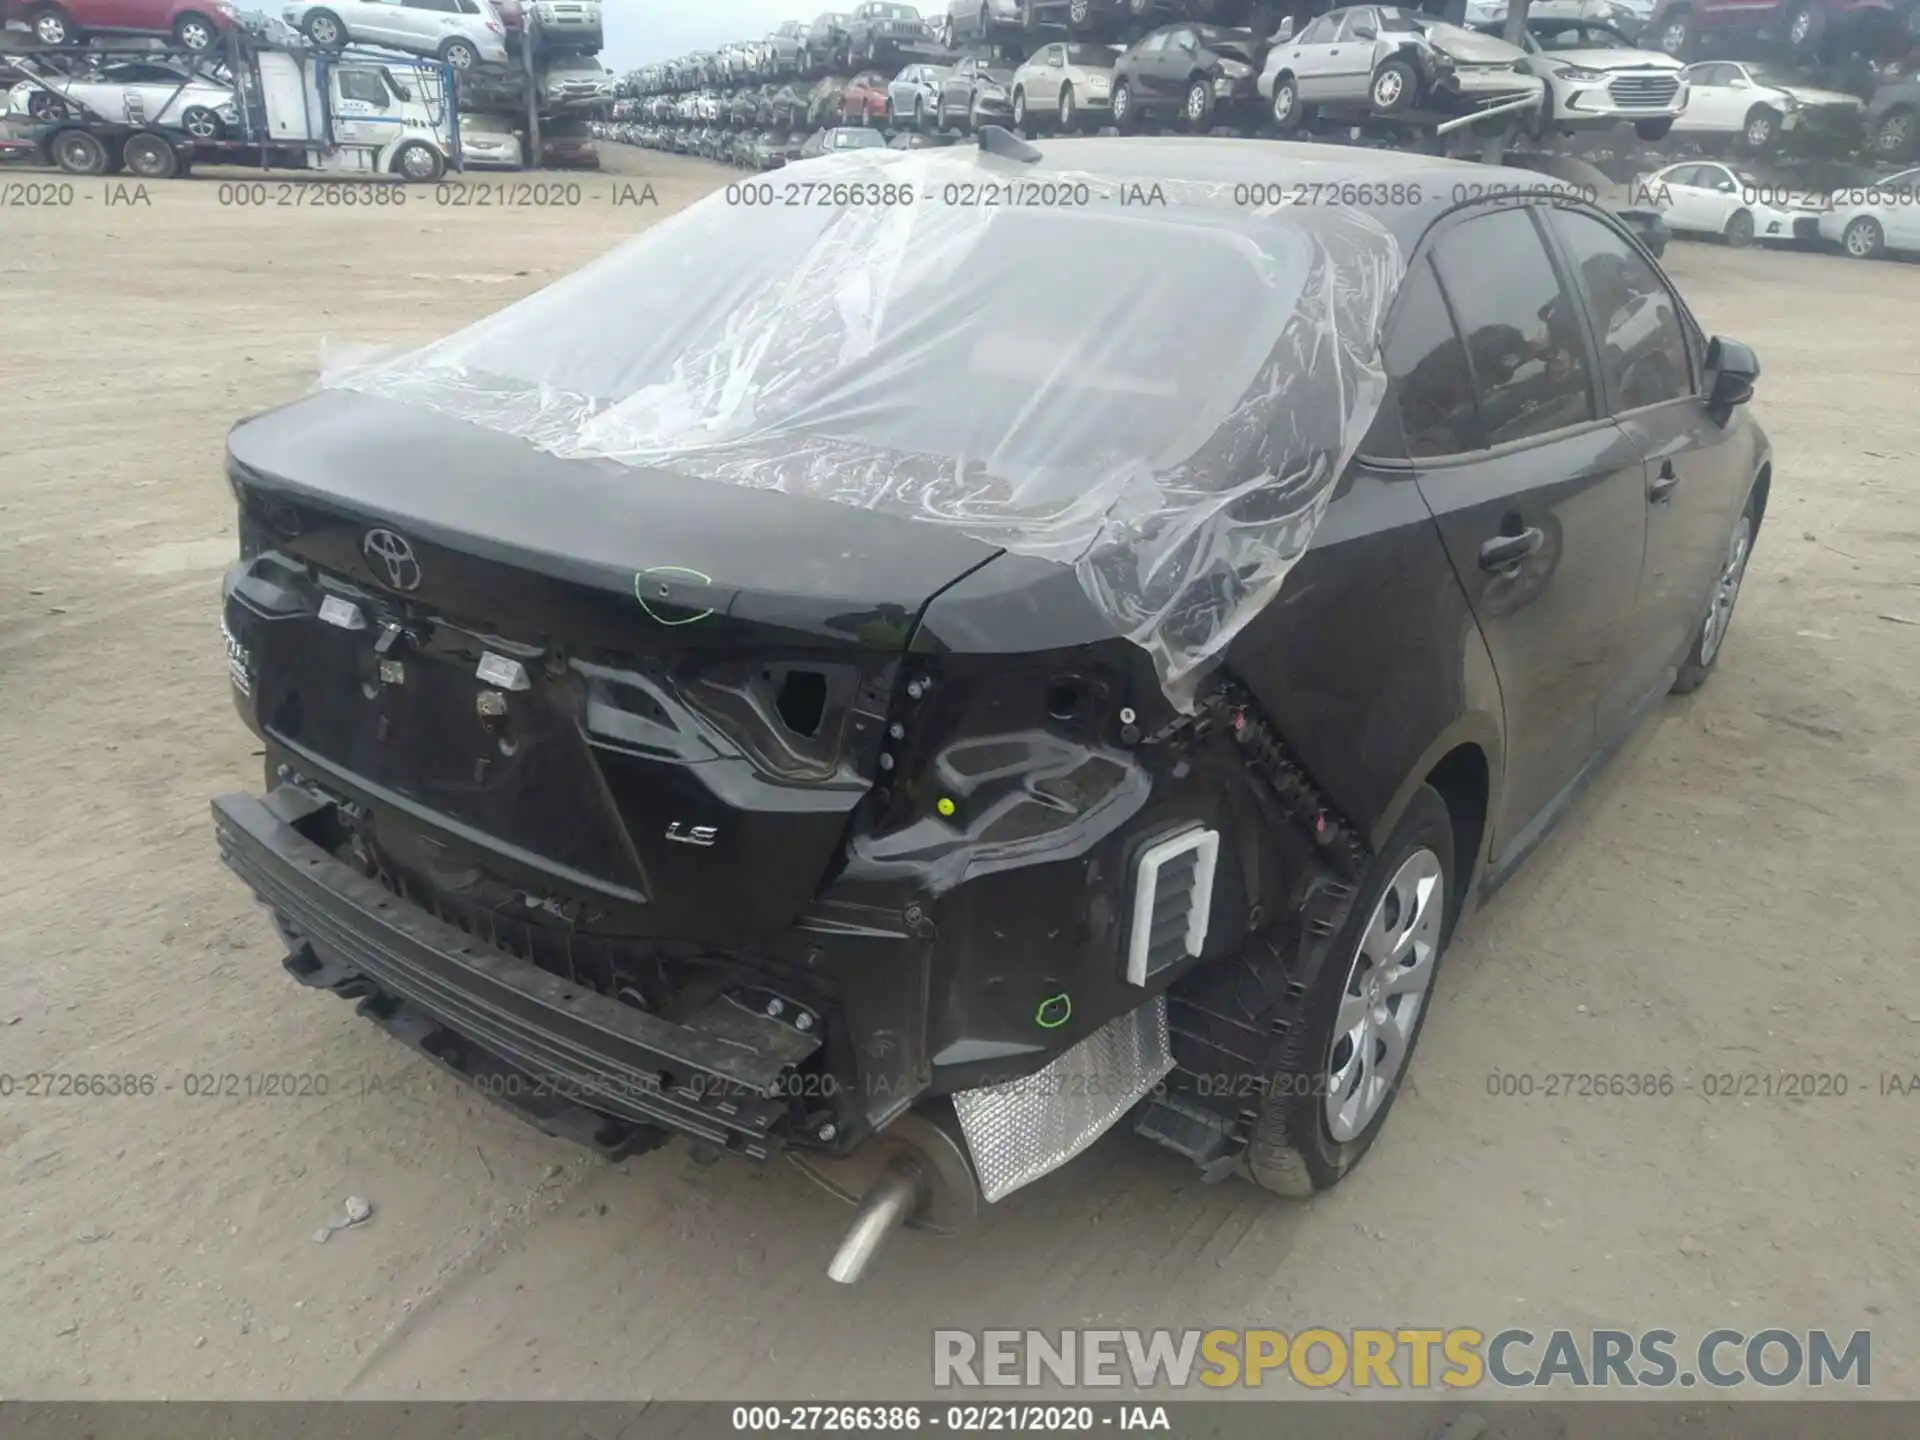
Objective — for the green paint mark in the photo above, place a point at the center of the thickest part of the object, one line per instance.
(652, 579)
(1054, 1011)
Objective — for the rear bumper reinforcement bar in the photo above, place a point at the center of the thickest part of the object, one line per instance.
(718, 1077)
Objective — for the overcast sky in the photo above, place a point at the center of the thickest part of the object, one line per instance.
(642, 31)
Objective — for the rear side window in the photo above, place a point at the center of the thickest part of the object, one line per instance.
(1523, 335)
(1643, 349)
(1428, 367)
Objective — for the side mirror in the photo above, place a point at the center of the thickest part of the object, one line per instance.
(1732, 369)
(1285, 32)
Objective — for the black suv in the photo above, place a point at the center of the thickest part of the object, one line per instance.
(705, 700)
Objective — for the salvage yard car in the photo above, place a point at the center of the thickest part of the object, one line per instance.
(1065, 86)
(1201, 74)
(1390, 61)
(1597, 78)
(1869, 220)
(772, 689)
(1758, 104)
(1704, 197)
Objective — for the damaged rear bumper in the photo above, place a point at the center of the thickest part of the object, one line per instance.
(569, 1053)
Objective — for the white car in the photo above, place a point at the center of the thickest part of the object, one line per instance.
(570, 25)
(1868, 220)
(139, 92)
(1065, 86)
(581, 80)
(488, 142)
(1757, 102)
(460, 32)
(1596, 78)
(1704, 197)
(1389, 59)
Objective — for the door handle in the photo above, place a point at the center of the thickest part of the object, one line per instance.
(1660, 489)
(1505, 552)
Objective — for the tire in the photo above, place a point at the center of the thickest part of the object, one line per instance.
(1653, 131)
(325, 30)
(1676, 34)
(1328, 1096)
(1069, 113)
(50, 26)
(1286, 103)
(919, 113)
(1020, 109)
(460, 54)
(1710, 640)
(1759, 128)
(1394, 87)
(1739, 231)
(150, 157)
(1079, 14)
(79, 153)
(1864, 239)
(196, 33)
(202, 123)
(1125, 118)
(1893, 136)
(1197, 108)
(419, 163)
(974, 118)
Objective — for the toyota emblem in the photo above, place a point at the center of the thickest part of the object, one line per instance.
(391, 555)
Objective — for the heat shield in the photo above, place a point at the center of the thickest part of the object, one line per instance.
(1114, 366)
(1023, 1129)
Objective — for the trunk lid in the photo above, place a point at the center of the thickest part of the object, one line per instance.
(688, 680)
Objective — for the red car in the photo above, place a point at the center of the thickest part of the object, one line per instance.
(864, 101)
(195, 24)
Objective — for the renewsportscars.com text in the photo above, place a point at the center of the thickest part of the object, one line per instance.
(1417, 1359)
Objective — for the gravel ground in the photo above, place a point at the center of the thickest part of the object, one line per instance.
(1736, 894)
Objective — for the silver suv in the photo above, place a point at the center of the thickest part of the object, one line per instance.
(460, 32)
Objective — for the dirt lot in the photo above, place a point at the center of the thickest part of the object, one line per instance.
(1736, 895)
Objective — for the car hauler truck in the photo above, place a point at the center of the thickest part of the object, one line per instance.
(358, 111)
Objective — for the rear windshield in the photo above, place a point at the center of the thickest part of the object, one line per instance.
(1159, 396)
(1091, 55)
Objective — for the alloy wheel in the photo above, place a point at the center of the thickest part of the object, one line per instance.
(1727, 591)
(1759, 131)
(1282, 103)
(51, 29)
(1863, 239)
(1386, 89)
(323, 31)
(1673, 39)
(196, 35)
(1197, 102)
(1066, 110)
(1079, 12)
(1894, 134)
(1387, 985)
(1801, 28)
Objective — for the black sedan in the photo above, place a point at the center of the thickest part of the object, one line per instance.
(1223, 597)
(1198, 74)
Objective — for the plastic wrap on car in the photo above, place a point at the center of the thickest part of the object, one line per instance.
(1136, 377)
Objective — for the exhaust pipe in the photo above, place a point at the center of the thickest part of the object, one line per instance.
(924, 1181)
(885, 1208)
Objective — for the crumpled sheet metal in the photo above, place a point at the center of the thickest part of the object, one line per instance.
(1161, 395)
(1026, 1128)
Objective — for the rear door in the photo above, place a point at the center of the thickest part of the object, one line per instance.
(1698, 471)
(1541, 501)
